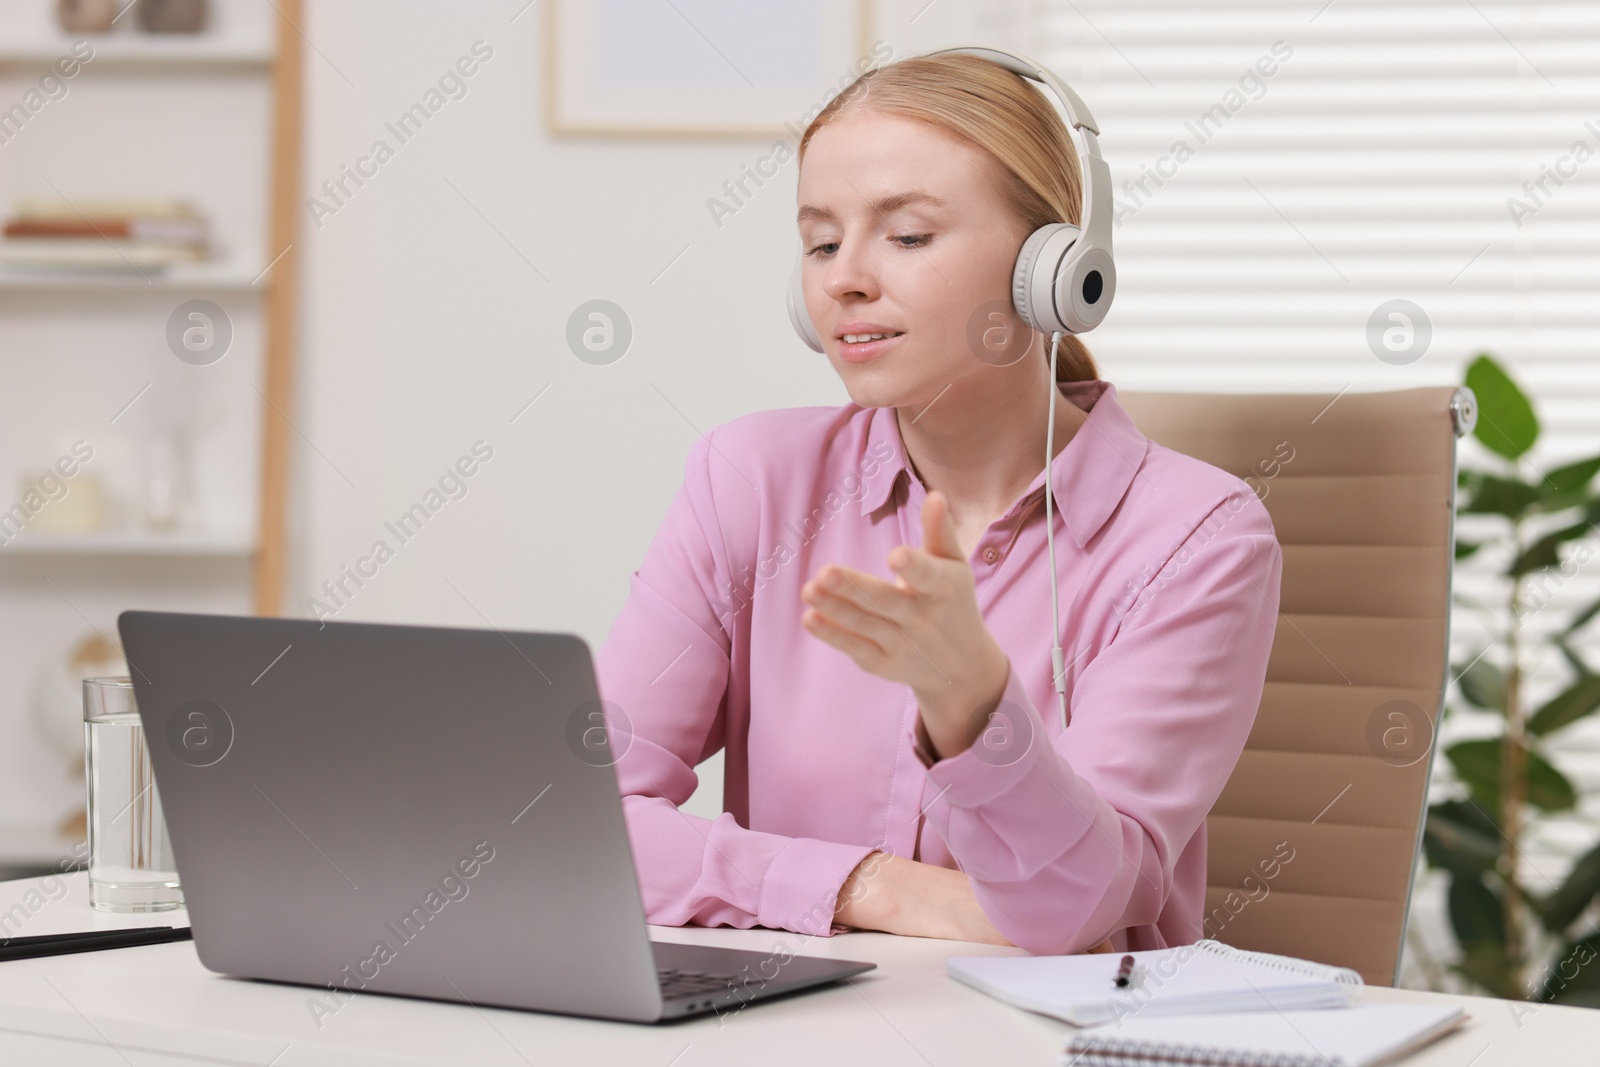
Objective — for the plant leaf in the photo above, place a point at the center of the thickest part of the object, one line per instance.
(1507, 425)
(1565, 904)
(1548, 788)
(1483, 684)
(1544, 552)
(1579, 667)
(1579, 699)
(1582, 617)
(1471, 817)
(1571, 476)
(1477, 763)
(1460, 838)
(1553, 502)
(1493, 494)
(1489, 967)
(1467, 548)
(1475, 912)
(1573, 976)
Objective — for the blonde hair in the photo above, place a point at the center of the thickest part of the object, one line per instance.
(995, 110)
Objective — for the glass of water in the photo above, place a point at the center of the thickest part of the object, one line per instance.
(130, 856)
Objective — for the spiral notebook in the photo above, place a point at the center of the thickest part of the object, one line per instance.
(1360, 1036)
(1206, 976)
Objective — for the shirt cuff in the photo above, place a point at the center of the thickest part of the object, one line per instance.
(801, 889)
(1004, 754)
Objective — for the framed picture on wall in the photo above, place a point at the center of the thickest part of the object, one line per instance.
(701, 67)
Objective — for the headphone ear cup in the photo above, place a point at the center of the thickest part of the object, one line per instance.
(797, 310)
(1061, 283)
(1033, 289)
(1084, 287)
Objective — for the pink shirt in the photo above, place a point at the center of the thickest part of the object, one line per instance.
(1169, 572)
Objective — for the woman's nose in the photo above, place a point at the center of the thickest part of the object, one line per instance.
(849, 273)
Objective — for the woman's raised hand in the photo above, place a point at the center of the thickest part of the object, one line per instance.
(923, 629)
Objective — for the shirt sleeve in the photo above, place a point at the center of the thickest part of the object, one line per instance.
(664, 673)
(1069, 840)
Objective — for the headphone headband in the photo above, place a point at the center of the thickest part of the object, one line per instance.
(1095, 218)
(1077, 110)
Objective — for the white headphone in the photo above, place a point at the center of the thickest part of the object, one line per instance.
(1064, 278)
(1062, 283)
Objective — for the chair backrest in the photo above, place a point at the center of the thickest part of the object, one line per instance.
(1313, 843)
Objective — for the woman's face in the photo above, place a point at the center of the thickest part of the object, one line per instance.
(903, 230)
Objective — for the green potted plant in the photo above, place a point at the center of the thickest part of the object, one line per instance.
(1517, 940)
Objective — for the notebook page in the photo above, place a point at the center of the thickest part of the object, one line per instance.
(1079, 988)
(1359, 1036)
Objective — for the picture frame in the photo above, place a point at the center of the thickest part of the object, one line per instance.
(701, 68)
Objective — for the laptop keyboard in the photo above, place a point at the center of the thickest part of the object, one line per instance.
(676, 983)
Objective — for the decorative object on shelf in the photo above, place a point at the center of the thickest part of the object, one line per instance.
(172, 16)
(76, 506)
(86, 16)
(1520, 941)
(166, 490)
(74, 827)
(104, 235)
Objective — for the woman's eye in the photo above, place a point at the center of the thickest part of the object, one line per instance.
(903, 240)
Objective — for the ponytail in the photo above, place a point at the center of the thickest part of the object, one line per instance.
(1073, 361)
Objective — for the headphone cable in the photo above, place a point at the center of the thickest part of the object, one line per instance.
(1057, 656)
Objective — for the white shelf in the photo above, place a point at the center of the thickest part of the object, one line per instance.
(33, 846)
(129, 544)
(214, 277)
(190, 116)
(124, 49)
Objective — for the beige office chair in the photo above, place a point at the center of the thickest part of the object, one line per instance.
(1313, 843)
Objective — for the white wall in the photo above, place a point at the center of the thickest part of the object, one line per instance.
(426, 326)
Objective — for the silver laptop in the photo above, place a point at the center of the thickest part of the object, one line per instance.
(413, 810)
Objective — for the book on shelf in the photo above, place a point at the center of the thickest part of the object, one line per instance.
(103, 235)
(185, 231)
(42, 207)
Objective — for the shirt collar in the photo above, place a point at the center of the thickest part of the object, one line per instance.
(1090, 475)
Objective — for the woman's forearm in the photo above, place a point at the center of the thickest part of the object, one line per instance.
(864, 901)
(901, 896)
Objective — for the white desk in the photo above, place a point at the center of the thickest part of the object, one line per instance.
(157, 1005)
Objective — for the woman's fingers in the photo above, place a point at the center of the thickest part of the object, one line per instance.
(867, 592)
(916, 568)
(866, 652)
(847, 614)
(906, 635)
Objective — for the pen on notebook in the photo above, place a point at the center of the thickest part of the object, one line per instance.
(18, 948)
(1125, 972)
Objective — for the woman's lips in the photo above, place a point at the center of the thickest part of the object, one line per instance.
(865, 350)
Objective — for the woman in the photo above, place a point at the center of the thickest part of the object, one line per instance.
(852, 602)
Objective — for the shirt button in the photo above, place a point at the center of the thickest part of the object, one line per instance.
(990, 554)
